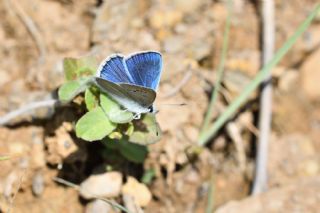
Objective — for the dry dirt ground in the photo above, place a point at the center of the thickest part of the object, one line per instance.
(189, 35)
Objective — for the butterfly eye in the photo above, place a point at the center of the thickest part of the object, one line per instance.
(151, 109)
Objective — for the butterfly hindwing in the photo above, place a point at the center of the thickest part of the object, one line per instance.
(145, 68)
(142, 95)
(127, 95)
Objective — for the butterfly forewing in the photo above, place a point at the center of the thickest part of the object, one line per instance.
(114, 69)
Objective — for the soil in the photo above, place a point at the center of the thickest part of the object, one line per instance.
(189, 35)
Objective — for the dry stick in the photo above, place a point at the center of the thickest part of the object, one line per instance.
(29, 107)
(31, 27)
(176, 89)
(16, 192)
(76, 187)
(260, 181)
(234, 106)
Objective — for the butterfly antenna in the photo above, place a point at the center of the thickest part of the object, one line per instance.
(160, 105)
(180, 104)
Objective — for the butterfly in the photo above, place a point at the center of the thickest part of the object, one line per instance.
(131, 81)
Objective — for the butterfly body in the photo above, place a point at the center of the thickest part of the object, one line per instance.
(131, 81)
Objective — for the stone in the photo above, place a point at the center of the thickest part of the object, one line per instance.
(102, 185)
(132, 186)
(37, 184)
(98, 206)
(310, 75)
(4, 77)
(288, 80)
(301, 196)
(164, 17)
(38, 158)
(173, 44)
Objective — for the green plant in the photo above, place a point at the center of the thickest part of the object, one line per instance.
(104, 119)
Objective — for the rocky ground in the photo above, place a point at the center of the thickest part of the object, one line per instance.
(189, 35)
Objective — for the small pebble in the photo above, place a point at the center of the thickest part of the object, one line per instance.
(98, 206)
(37, 184)
(102, 185)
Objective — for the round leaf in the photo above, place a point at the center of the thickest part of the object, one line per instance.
(133, 152)
(75, 68)
(71, 89)
(114, 111)
(146, 131)
(94, 125)
(91, 98)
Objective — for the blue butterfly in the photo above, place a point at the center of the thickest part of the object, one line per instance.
(131, 81)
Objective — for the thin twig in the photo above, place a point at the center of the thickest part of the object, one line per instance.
(217, 85)
(76, 187)
(235, 135)
(234, 106)
(16, 192)
(260, 182)
(30, 26)
(211, 192)
(178, 87)
(29, 107)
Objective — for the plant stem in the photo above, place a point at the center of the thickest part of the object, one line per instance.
(235, 105)
(216, 89)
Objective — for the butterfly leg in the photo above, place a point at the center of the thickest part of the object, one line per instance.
(137, 116)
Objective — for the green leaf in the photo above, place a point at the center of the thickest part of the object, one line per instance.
(146, 130)
(71, 89)
(130, 129)
(114, 111)
(115, 135)
(133, 152)
(94, 125)
(91, 98)
(148, 176)
(4, 158)
(75, 68)
(110, 143)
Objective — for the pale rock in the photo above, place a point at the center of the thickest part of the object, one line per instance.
(140, 192)
(37, 184)
(310, 76)
(173, 44)
(288, 80)
(191, 132)
(8, 184)
(130, 204)
(101, 185)
(310, 168)
(164, 17)
(17, 148)
(300, 196)
(4, 77)
(191, 6)
(38, 158)
(98, 206)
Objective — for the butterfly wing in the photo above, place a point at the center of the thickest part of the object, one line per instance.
(144, 96)
(133, 98)
(114, 69)
(145, 68)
